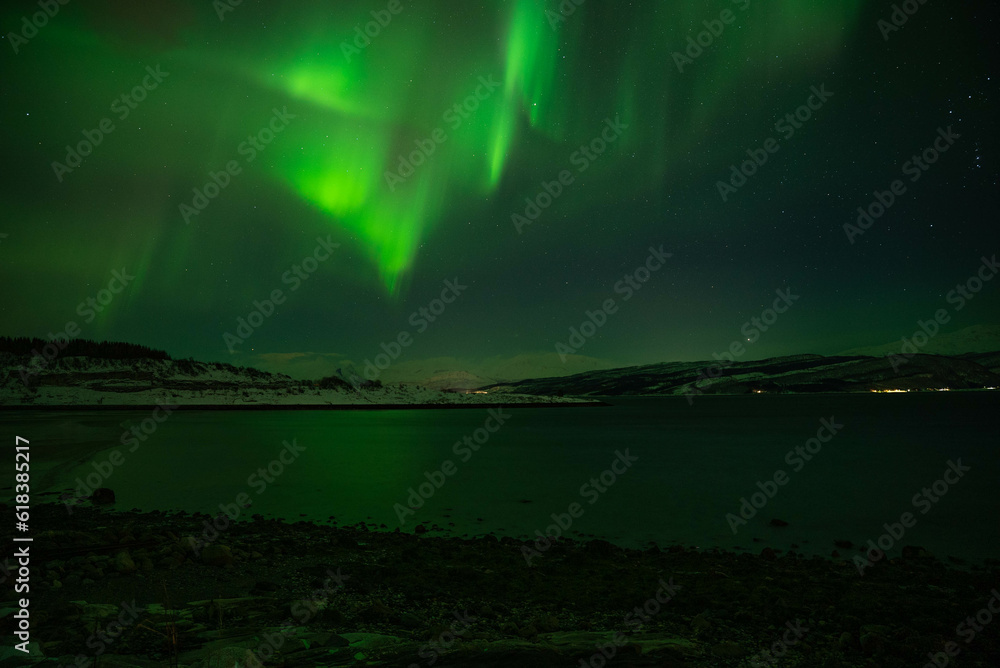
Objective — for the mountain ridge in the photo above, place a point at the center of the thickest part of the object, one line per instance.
(789, 374)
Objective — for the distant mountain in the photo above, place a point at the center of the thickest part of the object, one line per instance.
(976, 339)
(989, 360)
(443, 373)
(450, 373)
(799, 373)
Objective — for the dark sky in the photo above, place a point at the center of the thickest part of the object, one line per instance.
(310, 122)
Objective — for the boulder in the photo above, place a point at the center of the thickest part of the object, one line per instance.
(229, 657)
(103, 496)
(123, 562)
(217, 555)
(187, 544)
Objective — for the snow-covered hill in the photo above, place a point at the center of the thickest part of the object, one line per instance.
(976, 339)
(799, 373)
(89, 381)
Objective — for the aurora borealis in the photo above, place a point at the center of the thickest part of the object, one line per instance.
(414, 134)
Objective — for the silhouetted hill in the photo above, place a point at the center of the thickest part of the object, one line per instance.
(798, 373)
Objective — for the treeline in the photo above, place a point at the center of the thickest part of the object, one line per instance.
(116, 350)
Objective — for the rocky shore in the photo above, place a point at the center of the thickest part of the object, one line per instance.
(124, 588)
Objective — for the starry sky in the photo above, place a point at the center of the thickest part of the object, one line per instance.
(399, 145)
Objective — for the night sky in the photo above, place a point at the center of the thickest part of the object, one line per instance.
(312, 120)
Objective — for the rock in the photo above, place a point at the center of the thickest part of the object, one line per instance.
(874, 638)
(229, 657)
(111, 661)
(378, 612)
(778, 523)
(528, 631)
(848, 643)
(217, 555)
(103, 496)
(843, 544)
(188, 544)
(316, 611)
(420, 528)
(410, 620)
(600, 548)
(364, 644)
(768, 554)
(547, 623)
(700, 623)
(123, 562)
(322, 639)
(914, 552)
(728, 649)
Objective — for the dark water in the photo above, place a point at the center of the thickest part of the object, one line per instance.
(693, 465)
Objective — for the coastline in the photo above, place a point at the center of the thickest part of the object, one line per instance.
(325, 594)
(297, 407)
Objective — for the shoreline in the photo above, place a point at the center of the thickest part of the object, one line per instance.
(588, 403)
(299, 407)
(396, 593)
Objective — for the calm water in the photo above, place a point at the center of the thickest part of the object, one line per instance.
(694, 463)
